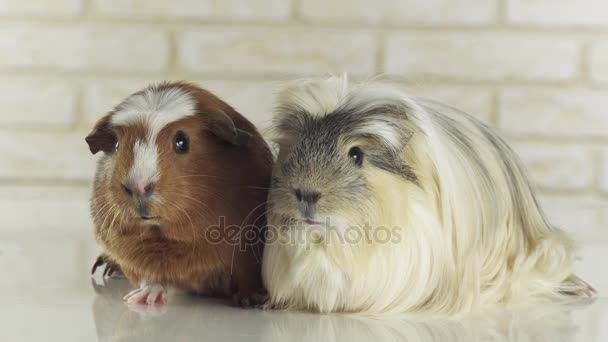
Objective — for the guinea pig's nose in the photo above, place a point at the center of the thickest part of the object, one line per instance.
(140, 188)
(310, 197)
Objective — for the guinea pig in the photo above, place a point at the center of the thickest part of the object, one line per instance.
(179, 195)
(382, 202)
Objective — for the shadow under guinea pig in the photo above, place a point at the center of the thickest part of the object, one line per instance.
(189, 318)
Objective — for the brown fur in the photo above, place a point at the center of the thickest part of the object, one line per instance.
(225, 174)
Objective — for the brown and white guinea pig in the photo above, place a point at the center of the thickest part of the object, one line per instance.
(179, 194)
(385, 203)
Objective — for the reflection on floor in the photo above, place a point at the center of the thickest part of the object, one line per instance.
(188, 318)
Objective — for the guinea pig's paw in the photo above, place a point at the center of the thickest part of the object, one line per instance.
(268, 305)
(110, 266)
(246, 299)
(585, 292)
(582, 288)
(147, 293)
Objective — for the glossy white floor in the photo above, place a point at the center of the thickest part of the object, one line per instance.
(96, 312)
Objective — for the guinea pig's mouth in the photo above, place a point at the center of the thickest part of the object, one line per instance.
(311, 222)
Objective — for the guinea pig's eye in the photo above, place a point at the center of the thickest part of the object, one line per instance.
(356, 155)
(180, 143)
(116, 147)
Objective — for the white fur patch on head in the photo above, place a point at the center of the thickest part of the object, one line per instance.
(315, 97)
(145, 163)
(155, 107)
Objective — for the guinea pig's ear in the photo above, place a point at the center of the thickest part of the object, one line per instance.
(102, 138)
(222, 126)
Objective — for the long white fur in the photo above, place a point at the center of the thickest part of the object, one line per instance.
(450, 259)
(155, 108)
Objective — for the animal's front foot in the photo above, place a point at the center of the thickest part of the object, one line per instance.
(586, 291)
(246, 298)
(110, 266)
(580, 287)
(147, 293)
(270, 305)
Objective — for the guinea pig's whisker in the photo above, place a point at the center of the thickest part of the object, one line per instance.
(170, 205)
(202, 175)
(216, 195)
(264, 212)
(255, 252)
(217, 177)
(202, 205)
(107, 214)
(257, 187)
(251, 212)
(187, 216)
(114, 216)
(206, 188)
(104, 207)
(261, 215)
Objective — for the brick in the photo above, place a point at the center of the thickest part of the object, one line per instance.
(572, 113)
(253, 99)
(598, 62)
(84, 47)
(578, 216)
(40, 7)
(557, 166)
(400, 12)
(284, 50)
(604, 216)
(196, 9)
(556, 13)
(473, 100)
(481, 56)
(45, 156)
(604, 176)
(45, 208)
(27, 102)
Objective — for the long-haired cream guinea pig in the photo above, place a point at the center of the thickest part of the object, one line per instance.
(385, 203)
(179, 194)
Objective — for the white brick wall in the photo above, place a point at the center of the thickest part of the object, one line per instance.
(604, 176)
(558, 166)
(81, 47)
(285, 50)
(535, 69)
(482, 56)
(40, 8)
(478, 100)
(598, 62)
(550, 13)
(554, 112)
(27, 101)
(228, 10)
(429, 12)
